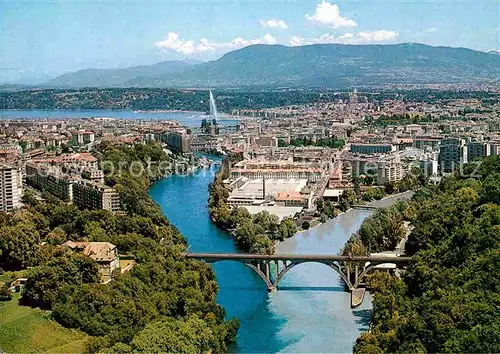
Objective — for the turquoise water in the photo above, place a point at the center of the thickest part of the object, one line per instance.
(310, 312)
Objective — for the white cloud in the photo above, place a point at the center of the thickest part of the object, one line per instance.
(174, 43)
(329, 15)
(377, 36)
(430, 30)
(273, 23)
(348, 38)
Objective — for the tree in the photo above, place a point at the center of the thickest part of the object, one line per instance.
(306, 225)
(320, 204)
(19, 246)
(44, 282)
(443, 301)
(390, 187)
(175, 336)
(373, 193)
(287, 228)
(347, 199)
(262, 245)
(329, 210)
(5, 294)
(29, 198)
(282, 143)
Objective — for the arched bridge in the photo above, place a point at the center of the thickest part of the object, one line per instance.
(272, 268)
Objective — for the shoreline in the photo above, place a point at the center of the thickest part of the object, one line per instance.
(347, 211)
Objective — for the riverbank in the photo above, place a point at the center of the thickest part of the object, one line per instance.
(310, 312)
(382, 203)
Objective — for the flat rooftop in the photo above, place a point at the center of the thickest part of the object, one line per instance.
(254, 188)
(280, 211)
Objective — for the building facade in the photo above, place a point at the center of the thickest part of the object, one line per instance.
(477, 150)
(91, 195)
(177, 141)
(391, 173)
(452, 153)
(50, 179)
(11, 187)
(369, 149)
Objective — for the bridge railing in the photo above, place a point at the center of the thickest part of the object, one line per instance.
(295, 257)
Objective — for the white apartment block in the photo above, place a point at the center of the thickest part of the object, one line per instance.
(11, 187)
(393, 172)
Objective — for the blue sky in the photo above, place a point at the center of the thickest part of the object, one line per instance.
(41, 39)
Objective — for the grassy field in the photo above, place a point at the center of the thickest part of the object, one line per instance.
(27, 330)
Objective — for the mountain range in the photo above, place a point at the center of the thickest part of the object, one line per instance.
(319, 65)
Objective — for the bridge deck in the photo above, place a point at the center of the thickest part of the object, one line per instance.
(294, 257)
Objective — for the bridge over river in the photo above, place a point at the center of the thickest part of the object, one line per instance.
(272, 268)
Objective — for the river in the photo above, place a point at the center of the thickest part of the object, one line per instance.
(310, 313)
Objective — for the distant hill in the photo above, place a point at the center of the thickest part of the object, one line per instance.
(320, 65)
(118, 77)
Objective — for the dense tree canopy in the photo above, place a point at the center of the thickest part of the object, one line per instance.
(160, 288)
(448, 300)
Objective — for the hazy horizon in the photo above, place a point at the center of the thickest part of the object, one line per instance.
(74, 35)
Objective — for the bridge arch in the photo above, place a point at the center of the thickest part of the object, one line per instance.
(256, 269)
(269, 284)
(335, 266)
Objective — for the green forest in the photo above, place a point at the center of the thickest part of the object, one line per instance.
(197, 100)
(164, 304)
(448, 300)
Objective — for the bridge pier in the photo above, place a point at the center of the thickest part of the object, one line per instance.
(357, 297)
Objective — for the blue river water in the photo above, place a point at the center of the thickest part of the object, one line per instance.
(310, 312)
(185, 118)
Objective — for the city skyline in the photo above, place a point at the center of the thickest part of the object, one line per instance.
(70, 36)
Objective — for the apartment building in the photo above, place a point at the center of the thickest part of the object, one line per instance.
(11, 187)
(452, 153)
(391, 173)
(93, 174)
(50, 179)
(429, 167)
(177, 141)
(78, 160)
(266, 141)
(370, 149)
(423, 142)
(91, 195)
(477, 150)
(82, 137)
(495, 148)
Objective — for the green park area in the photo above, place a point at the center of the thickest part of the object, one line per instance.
(24, 329)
